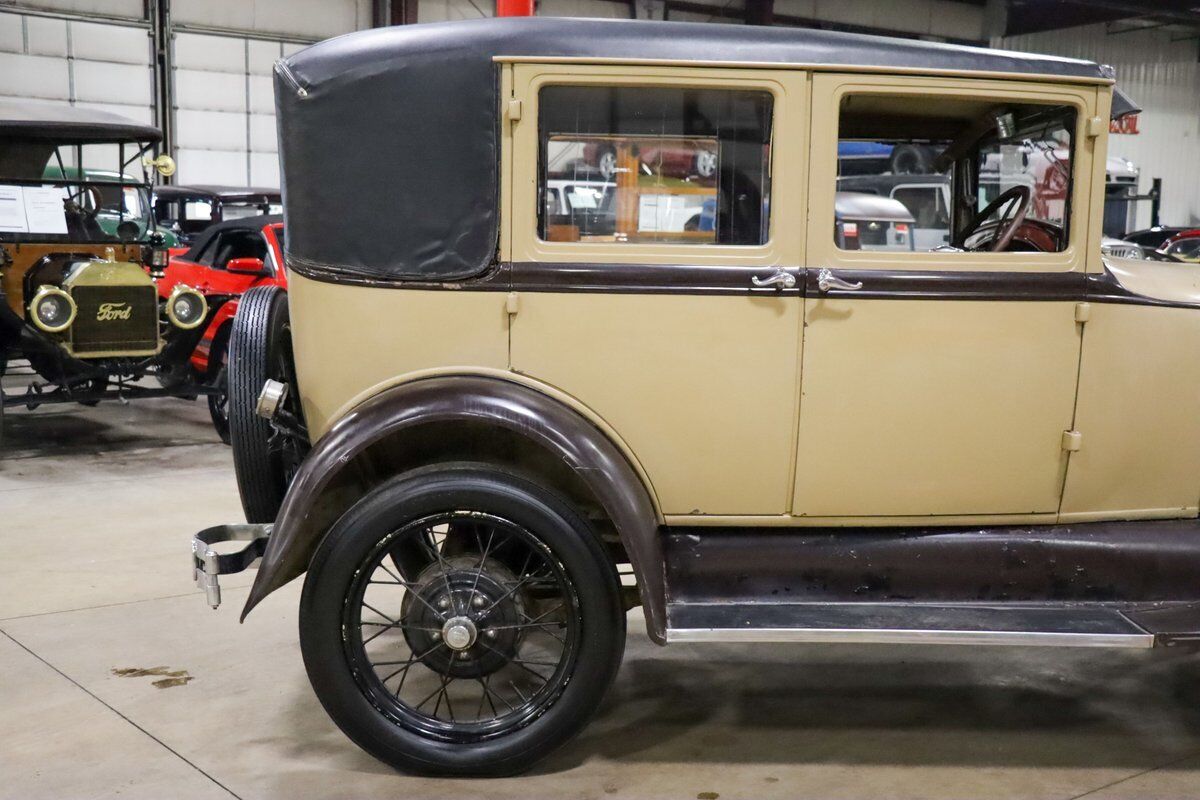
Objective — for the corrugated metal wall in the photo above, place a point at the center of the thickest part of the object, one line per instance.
(224, 96)
(70, 61)
(225, 109)
(223, 53)
(1160, 70)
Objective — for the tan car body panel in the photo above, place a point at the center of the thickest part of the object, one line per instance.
(703, 392)
(1139, 401)
(698, 386)
(943, 407)
(354, 341)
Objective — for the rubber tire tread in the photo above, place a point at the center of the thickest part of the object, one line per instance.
(260, 479)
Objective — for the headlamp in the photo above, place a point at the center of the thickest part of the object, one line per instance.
(52, 309)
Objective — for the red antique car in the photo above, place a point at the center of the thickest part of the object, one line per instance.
(223, 262)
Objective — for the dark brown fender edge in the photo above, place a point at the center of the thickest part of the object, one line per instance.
(545, 421)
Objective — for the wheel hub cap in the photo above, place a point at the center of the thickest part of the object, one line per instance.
(459, 633)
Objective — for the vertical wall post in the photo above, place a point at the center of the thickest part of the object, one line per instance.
(158, 13)
(403, 12)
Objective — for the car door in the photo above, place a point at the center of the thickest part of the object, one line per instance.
(936, 383)
(649, 318)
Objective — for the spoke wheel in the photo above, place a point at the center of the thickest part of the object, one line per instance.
(474, 645)
(461, 621)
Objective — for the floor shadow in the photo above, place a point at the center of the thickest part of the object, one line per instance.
(986, 709)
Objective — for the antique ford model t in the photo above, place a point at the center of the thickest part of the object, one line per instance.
(80, 314)
(525, 420)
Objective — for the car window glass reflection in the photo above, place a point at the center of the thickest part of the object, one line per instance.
(633, 164)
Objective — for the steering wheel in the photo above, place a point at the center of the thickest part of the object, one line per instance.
(1003, 235)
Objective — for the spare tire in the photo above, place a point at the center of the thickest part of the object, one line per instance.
(260, 349)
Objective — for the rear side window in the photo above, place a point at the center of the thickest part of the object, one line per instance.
(654, 164)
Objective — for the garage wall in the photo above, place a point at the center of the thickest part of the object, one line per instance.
(302, 19)
(98, 53)
(1163, 76)
(225, 109)
(934, 19)
(82, 62)
(224, 100)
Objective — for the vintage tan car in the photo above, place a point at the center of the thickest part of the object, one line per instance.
(520, 428)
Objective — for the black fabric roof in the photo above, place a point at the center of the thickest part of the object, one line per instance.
(396, 129)
(243, 223)
(46, 121)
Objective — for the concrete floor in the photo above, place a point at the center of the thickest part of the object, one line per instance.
(96, 510)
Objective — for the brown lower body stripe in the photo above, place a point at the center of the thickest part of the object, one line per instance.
(602, 278)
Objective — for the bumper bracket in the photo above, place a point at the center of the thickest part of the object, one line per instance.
(208, 564)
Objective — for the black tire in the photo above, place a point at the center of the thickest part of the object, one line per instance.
(260, 349)
(366, 708)
(218, 375)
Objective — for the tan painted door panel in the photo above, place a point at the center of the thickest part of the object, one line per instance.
(938, 406)
(701, 388)
(922, 407)
(1139, 414)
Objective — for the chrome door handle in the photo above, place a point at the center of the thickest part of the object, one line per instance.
(779, 279)
(826, 280)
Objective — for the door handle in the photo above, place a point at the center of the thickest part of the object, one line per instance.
(779, 279)
(826, 280)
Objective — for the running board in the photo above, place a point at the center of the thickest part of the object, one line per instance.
(904, 623)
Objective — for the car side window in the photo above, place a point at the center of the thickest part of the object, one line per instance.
(654, 164)
(239, 244)
(969, 174)
(209, 251)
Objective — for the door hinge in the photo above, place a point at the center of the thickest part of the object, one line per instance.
(513, 112)
(1096, 126)
(1071, 441)
(1083, 312)
(512, 303)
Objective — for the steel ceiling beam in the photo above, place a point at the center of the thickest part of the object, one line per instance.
(1033, 16)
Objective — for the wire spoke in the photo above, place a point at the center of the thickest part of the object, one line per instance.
(445, 574)
(545, 680)
(433, 694)
(380, 613)
(414, 593)
(518, 585)
(482, 560)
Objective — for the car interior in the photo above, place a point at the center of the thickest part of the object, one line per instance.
(235, 244)
(1009, 164)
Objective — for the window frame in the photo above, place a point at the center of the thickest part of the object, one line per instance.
(521, 177)
(828, 91)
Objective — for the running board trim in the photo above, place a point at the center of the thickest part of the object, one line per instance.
(1140, 641)
(907, 623)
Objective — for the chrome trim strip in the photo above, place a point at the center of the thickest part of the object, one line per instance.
(1139, 641)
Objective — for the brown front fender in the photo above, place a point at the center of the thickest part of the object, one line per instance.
(541, 419)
